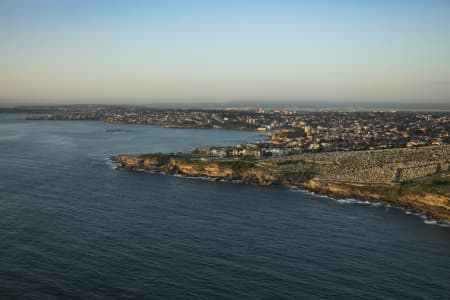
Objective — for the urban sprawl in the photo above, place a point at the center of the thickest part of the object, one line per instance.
(288, 131)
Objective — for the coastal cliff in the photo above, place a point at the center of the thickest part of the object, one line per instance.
(427, 202)
(429, 195)
(243, 171)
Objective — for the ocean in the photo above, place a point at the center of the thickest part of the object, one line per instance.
(73, 227)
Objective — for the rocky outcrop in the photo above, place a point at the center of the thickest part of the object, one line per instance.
(172, 165)
(141, 161)
(429, 203)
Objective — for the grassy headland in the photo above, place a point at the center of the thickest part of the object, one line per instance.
(404, 177)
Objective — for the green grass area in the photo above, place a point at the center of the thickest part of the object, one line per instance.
(198, 159)
(300, 175)
(238, 164)
(391, 191)
(437, 184)
(158, 155)
(235, 164)
(164, 158)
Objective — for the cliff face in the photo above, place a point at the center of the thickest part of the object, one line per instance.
(209, 170)
(175, 166)
(339, 190)
(141, 162)
(428, 203)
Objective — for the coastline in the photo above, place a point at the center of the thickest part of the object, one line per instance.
(432, 205)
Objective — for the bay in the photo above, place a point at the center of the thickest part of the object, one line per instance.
(72, 227)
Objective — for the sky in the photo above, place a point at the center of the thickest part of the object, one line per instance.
(137, 52)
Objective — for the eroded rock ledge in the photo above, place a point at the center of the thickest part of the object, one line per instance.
(429, 195)
(245, 171)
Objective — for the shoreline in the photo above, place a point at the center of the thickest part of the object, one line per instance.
(340, 192)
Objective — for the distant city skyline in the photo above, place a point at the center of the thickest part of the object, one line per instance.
(143, 52)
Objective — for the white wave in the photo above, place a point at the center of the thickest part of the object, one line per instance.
(151, 172)
(110, 163)
(307, 192)
(364, 202)
(442, 223)
(430, 222)
(346, 201)
(426, 220)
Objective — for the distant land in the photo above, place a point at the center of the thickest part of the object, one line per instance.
(396, 156)
(302, 105)
(291, 129)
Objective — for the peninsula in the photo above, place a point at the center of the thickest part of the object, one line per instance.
(398, 157)
(413, 178)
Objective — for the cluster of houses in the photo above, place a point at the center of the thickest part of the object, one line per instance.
(290, 132)
(264, 149)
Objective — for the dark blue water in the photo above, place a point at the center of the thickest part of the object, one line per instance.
(71, 227)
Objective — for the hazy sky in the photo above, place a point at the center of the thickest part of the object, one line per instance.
(155, 51)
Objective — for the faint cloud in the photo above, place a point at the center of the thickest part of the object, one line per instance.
(441, 83)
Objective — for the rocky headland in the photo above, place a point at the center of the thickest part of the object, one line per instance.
(416, 179)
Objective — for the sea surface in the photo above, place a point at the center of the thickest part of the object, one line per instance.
(73, 227)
